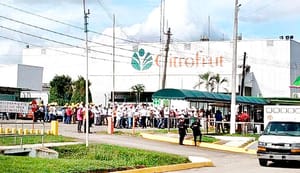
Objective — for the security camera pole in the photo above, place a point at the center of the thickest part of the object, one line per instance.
(234, 64)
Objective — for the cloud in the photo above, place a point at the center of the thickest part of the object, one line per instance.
(26, 12)
(267, 11)
(187, 19)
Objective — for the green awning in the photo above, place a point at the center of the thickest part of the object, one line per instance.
(296, 83)
(283, 101)
(195, 95)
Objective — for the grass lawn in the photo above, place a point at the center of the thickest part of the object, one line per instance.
(95, 158)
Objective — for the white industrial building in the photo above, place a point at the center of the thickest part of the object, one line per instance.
(21, 76)
(20, 81)
(274, 65)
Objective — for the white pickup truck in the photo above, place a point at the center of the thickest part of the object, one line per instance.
(280, 140)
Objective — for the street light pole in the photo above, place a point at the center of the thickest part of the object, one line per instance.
(87, 75)
(234, 64)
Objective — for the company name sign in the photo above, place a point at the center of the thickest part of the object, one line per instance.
(143, 61)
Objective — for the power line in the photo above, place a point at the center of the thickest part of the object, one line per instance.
(260, 8)
(59, 42)
(70, 25)
(63, 23)
(57, 50)
(110, 16)
(67, 24)
(59, 33)
(71, 45)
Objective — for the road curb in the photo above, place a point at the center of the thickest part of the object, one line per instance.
(168, 168)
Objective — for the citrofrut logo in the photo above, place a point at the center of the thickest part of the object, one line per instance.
(141, 60)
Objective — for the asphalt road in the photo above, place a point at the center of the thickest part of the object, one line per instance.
(224, 162)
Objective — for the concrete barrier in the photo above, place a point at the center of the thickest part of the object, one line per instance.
(20, 131)
(7, 131)
(54, 127)
(26, 132)
(14, 131)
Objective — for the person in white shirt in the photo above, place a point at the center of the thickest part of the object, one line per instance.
(96, 112)
(130, 112)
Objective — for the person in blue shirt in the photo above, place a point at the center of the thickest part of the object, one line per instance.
(219, 121)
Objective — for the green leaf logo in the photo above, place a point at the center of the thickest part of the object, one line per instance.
(141, 60)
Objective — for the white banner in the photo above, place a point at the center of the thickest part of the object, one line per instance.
(14, 107)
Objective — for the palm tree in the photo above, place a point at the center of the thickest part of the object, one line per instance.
(138, 89)
(207, 79)
(218, 81)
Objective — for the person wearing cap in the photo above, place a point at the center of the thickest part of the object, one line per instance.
(182, 129)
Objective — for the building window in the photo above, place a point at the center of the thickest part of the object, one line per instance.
(187, 46)
(270, 43)
(43, 51)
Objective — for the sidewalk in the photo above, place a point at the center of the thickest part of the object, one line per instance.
(226, 143)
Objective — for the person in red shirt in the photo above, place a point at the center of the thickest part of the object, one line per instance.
(244, 117)
(69, 113)
(34, 108)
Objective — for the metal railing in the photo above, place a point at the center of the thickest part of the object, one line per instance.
(21, 129)
(209, 125)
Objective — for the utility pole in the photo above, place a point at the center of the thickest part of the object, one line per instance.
(234, 59)
(166, 59)
(243, 75)
(86, 13)
(161, 38)
(114, 64)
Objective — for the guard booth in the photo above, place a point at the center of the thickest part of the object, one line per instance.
(209, 102)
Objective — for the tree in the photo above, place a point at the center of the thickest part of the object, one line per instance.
(61, 89)
(218, 81)
(207, 79)
(79, 91)
(138, 89)
(211, 81)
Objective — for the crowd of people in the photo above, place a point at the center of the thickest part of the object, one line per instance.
(133, 115)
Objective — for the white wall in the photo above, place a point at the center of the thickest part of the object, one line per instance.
(8, 75)
(30, 77)
(269, 61)
(21, 76)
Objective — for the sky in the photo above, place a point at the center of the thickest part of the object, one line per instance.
(57, 23)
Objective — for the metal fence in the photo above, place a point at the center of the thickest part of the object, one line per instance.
(21, 129)
(207, 125)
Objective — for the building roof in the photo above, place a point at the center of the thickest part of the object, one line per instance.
(202, 96)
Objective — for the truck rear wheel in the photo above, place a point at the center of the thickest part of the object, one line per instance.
(263, 162)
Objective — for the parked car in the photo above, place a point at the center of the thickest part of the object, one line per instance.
(60, 113)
